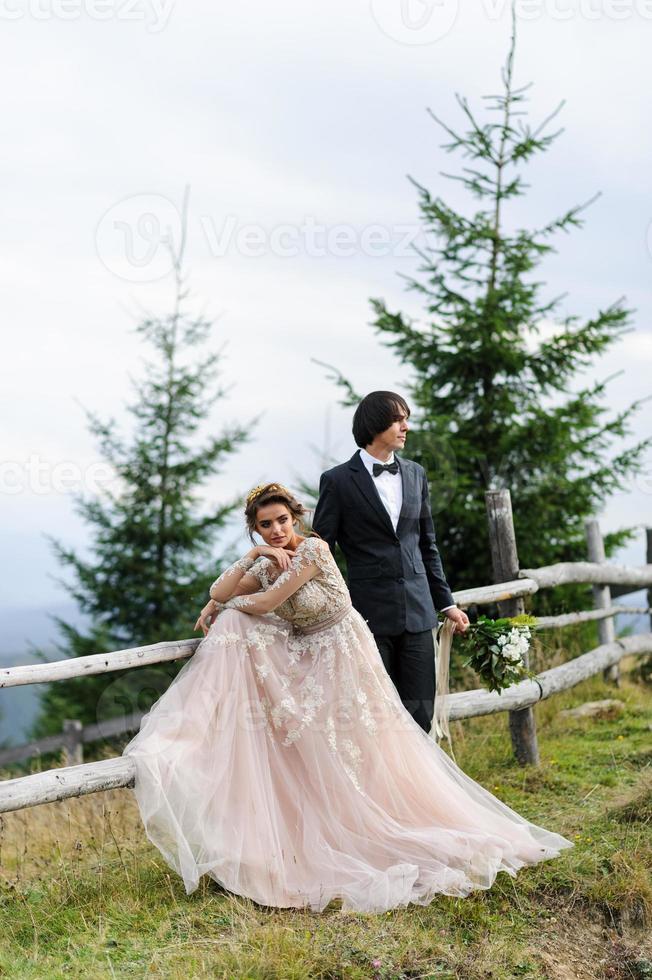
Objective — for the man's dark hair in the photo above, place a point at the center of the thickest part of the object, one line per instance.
(375, 413)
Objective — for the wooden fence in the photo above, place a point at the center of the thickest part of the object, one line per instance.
(72, 739)
(508, 591)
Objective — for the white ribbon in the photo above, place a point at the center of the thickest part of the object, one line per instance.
(442, 640)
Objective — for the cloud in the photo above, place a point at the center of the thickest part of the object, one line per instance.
(278, 116)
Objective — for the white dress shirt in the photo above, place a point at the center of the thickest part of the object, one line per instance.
(390, 490)
(389, 486)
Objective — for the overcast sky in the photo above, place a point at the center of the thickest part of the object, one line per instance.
(295, 126)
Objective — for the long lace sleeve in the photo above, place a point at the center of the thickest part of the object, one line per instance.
(304, 566)
(227, 583)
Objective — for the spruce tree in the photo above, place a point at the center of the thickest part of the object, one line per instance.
(153, 555)
(492, 398)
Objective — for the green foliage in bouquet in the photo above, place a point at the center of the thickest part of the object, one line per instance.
(496, 649)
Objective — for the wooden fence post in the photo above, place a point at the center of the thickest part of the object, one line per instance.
(73, 749)
(504, 560)
(601, 595)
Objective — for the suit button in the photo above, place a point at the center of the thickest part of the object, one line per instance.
(400, 580)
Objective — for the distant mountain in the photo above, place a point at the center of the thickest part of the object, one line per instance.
(21, 628)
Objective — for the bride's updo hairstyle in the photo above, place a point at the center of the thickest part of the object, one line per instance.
(273, 493)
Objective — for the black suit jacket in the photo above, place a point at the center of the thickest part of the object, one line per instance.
(395, 578)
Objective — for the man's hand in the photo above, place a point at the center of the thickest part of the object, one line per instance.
(459, 617)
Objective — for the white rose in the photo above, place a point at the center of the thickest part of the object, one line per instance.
(512, 654)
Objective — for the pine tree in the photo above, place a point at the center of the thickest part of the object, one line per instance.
(492, 401)
(153, 550)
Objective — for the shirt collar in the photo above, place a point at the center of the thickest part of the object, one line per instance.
(370, 460)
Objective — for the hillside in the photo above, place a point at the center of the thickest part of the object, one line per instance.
(108, 906)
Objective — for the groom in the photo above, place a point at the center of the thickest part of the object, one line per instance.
(376, 507)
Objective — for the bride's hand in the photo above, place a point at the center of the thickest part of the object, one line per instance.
(206, 617)
(281, 556)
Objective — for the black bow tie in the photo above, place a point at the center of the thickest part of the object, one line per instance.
(390, 467)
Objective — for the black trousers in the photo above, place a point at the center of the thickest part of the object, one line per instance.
(409, 659)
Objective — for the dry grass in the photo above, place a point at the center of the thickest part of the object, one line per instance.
(84, 893)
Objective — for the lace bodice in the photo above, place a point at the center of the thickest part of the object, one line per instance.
(311, 590)
(316, 599)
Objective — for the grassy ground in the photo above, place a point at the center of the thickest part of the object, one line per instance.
(84, 894)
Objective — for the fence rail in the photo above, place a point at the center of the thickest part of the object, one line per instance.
(102, 663)
(92, 777)
(97, 663)
(72, 738)
(80, 779)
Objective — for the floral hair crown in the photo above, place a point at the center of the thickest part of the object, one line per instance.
(256, 492)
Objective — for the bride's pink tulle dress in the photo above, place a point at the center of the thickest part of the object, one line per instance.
(281, 762)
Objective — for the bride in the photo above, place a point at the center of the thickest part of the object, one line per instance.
(282, 762)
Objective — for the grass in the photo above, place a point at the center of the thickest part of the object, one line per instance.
(83, 893)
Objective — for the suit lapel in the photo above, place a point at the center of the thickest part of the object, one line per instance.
(365, 483)
(410, 504)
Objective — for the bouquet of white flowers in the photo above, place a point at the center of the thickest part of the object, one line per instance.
(496, 649)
